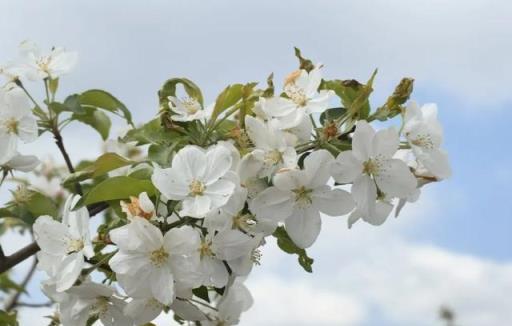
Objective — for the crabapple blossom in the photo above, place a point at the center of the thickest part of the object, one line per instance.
(299, 196)
(372, 169)
(425, 134)
(198, 178)
(188, 109)
(64, 245)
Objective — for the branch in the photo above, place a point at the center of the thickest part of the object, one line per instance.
(14, 300)
(60, 145)
(35, 305)
(29, 250)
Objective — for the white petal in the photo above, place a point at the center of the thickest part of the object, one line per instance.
(273, 204)
(304, 226)
(24, 163)
(129, 262)
(290, 180)
(364, 193)
(143, 311)
(395, 179)
(362, 140)
(219, 192)
(8, 146)
(437, 163)
(385, 143)
(218, 163)
(214, 272)
(27, 129)
(171, 183)
(333, 202)
(257, 132)
(346, 168)
(382, 210)
(162, 285)
(320, 102)
(191, 162)
(278, 106)
(232, 244)
(187, 311)
(315, 168)
(182, 241)
(69, 270)
(197, 206)
(51, 236)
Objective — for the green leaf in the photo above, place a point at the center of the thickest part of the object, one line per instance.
(201, 292)
(104, 164)
(6, 284)
(72, 103)
(161, 154)
(38, 205)
(393, 105)
(332, 114)
(305, 64)
(151, 133)
(117, 188)
(286, 244)
(8, 318)
(96, 119)
(354, 95)
(229, 97)
(96, 98)
(169, 89)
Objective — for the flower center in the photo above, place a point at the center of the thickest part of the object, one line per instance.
(296, 94)
(159, 257)
(191, 105)
(371, 167)
(196, 188)
(423, 140)
(243, 221)
(75, 245)
(303, 197)
(205, 249)
(100, 307)
(273, 157)
(11, 125)
(44, 63)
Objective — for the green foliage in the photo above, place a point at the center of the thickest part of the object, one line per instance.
(286, 244)
(305, 64)
(8, 318)
(104, 164)
(393, 105)
(227, 98)
(117, 188)
(151, 133)
(6, 284)
(96, 119)
(169, 89)
(38, 204)
(332, 114)
(99, 99)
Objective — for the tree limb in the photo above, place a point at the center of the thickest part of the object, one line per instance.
(13, 302)
(60, 145)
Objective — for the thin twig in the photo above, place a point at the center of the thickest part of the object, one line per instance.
(13, 302)
(34, 305)
(60, 145)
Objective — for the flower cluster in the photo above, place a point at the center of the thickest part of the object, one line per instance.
(185, 225)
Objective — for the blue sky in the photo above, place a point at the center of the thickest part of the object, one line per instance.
(454, 246)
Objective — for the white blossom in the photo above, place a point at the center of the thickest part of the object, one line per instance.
(149, 261)
(200, 179)
(371, 168)
(187, 109)
(425, 135)
(298, 197)
(64, 245)
(16, 122)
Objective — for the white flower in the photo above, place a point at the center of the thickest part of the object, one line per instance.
(425, 134)
(237, 300)
(371, 168)
(23, 163)
(89, 299)
(303, 98)
(271, 148)
(64, 245)
(149, 261)
(200, 179)
(227, 245)
(382, 209)
(187, 109)
(16, 122)
(37, 65)
(140, 206)
(298, 197)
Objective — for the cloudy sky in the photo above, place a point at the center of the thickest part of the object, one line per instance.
(453, 247)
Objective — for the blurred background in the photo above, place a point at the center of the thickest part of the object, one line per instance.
(453, 248)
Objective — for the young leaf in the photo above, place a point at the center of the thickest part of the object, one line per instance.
(286, 244)
(96, 98)
(229, 97)
(169, 89)
(38, 204)
(305, 64)
(151, 133)
(117, 188)
(96, 119)
(393, 105)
